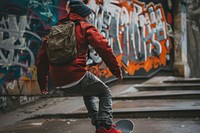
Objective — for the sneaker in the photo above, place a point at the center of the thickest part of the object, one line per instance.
(111, 130)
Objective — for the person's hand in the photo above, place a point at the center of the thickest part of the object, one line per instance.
(120, 77)
(44, 91)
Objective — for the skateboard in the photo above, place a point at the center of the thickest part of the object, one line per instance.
(126, 126)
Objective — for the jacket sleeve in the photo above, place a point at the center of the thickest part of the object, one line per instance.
(42, 65)
(100, 44)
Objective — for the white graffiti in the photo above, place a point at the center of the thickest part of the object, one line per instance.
(45, 4)
(13, 41)
(93, 57)
(140, 31)
(3, 104)
(25, 99)
(11, 85)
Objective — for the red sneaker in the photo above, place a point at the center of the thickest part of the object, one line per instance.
(111, 130)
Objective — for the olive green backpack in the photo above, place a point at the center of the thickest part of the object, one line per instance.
(61, 43)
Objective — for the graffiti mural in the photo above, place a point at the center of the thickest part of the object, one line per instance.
(193, 33)
(23, 24)
(139, 32)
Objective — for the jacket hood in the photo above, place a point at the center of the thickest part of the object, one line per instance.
(71, 17)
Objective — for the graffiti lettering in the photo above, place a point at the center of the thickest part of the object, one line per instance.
(24, 99)
(15, 43)
(3, 104)
(45, 8)
(11, 85)
(136, 32)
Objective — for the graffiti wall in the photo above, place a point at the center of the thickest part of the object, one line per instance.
(139, 32)
(23, 23)
(193, 33)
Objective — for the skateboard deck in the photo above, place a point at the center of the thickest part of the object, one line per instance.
(126, 126)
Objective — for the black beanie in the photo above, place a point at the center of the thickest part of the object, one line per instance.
(78, 7)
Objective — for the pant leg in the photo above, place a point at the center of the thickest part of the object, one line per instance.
(93, 86)
(89, 101)
(105, 108)
(90, 87)
(91, 105)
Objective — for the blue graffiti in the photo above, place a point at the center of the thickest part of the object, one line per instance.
(23, 24)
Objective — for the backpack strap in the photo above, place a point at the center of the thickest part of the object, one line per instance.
(76, 21)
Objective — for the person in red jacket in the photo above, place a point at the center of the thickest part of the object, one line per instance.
(73, 78)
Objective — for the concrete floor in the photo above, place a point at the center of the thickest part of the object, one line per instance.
(148, 125)
(161, 110)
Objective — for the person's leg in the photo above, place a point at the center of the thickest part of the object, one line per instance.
(91, 105)
(105, 109)
(104, 115)
(92, 86)
(89, 101)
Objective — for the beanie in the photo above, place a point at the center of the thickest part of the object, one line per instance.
(80, 8)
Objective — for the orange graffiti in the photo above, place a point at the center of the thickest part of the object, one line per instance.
(153, 32)
(31, 75)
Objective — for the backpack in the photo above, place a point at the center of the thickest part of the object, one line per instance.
(61, 43)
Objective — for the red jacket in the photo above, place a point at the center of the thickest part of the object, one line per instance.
(86, 34)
